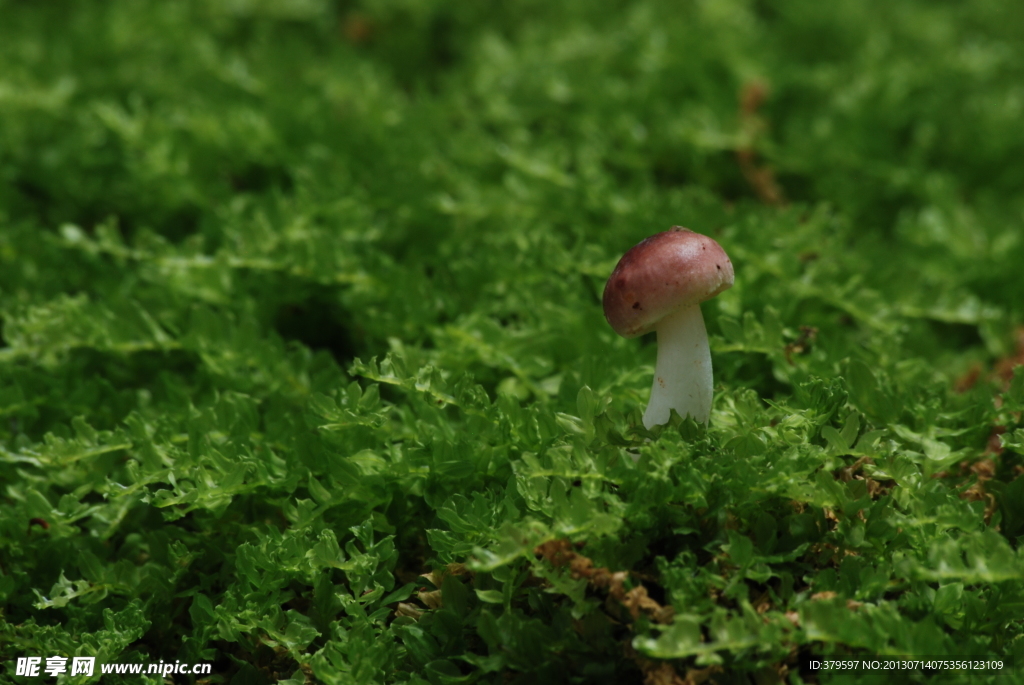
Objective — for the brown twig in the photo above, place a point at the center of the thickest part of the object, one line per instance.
(760, 178)
(559, 553)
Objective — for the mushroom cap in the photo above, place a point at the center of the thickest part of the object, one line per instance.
(662, 274)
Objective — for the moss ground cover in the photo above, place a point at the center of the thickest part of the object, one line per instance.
(303, 371)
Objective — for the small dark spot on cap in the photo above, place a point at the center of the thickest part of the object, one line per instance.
(636, 305)
(718, 266)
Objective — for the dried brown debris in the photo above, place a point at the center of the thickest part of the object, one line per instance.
(658, 672)
(994, 445)
(357, 29)
(1004, 367)
(763, 603)
(432, 598)
(761, 178)
(1002, 371)
(802, 345)
(560, 553)
(409, 610)
(636, 601)
(848, 473)
(969, 379)
(982, 470)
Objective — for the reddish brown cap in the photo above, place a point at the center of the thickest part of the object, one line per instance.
(664, 273)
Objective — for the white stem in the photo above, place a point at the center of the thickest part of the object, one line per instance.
(682, 376)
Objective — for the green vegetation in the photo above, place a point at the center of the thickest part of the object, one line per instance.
(303, 370)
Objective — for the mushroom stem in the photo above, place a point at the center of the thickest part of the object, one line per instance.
(682, 375)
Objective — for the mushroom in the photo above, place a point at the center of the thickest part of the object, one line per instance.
(658, 286)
